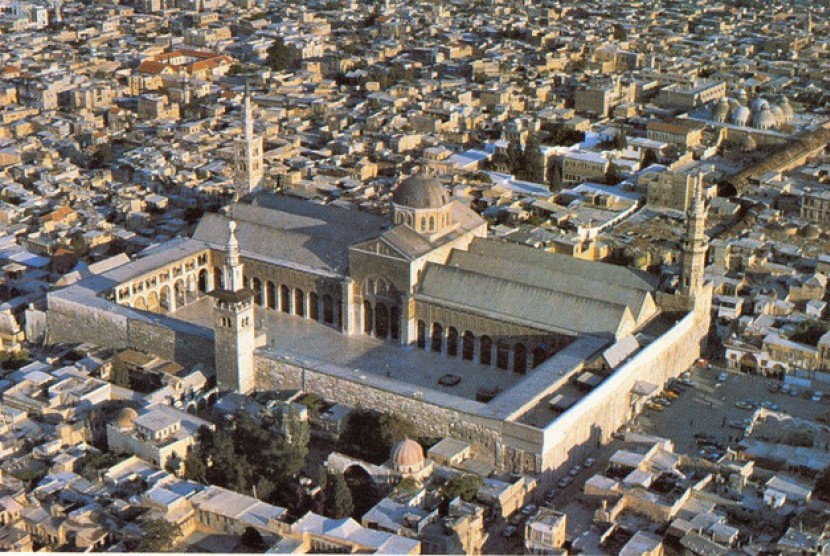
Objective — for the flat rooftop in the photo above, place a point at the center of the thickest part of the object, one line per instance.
(307, 340)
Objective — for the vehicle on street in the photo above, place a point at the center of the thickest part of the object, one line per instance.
(654, 406)
(564, 481)
(816, 396)
(575, 471)
(516, 519)
(589, 462)
(529, 509)
(743, 405)
(508, 532)
(671, 394)
(722, 377)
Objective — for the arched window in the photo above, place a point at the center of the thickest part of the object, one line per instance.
(256, 285)
(328, 309)
(423, 223)
(431, 223)
(502, 354)
(203, 279)
(218, 278)
(299, 302)
(381, 320)
(520, 359)
(437, 337)
(368, 318)
(486, 350)
(270, 295)
(285, 299)
(422, 334)
(452, 342)
(395, 323)
(313, 306)
(468, 346)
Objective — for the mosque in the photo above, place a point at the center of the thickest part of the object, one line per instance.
(425, 289)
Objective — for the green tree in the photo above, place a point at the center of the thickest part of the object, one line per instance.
(375, 433)
(159, 536)
(252, 539)
(339, 503)
(465, 486)
(194, 467)
(613, 175)
(620, 140)
(281, 56)
(514, 155)
(533, 161)
(649, 158)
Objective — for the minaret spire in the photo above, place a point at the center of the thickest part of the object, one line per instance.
(695, 242)
(249, 170)
(234, 280)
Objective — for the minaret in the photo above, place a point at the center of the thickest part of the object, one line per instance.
(693, 258)
(249, 171)
(233, 323)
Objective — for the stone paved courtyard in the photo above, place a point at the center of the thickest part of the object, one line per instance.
(308, 339)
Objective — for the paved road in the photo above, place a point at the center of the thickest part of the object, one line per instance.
(708, 408)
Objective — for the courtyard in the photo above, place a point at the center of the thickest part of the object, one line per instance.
(308, 340)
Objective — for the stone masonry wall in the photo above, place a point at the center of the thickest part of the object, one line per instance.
(70, 322)
(490, 435)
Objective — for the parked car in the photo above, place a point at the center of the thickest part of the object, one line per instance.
(575, 470)
(564, 481)
(671, 394)
(743, 405)
(816, 396)
(722, 377)
(508, 532)
(589, 462)
(449, 380)
(528, 510)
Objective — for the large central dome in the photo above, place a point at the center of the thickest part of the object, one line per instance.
(420, 192)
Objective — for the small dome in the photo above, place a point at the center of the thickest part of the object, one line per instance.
(778, 112)
(420, 192)
(125, 417)
(407, 454)
(787, 109)
(721, 111)
(759, 104)
(742, 94)
(764, 119)
(741, 115)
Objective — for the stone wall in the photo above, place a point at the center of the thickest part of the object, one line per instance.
(505, 441)
(514, 446)
(185, 347)
(71, 321)
(109, 325)
(576, 433)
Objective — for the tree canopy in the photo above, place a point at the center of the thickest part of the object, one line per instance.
(465, 486)
(339, 502)
(159, 536)
(282, 56)
(374, 433)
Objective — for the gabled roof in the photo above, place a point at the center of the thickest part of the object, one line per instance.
(515, 301)
(589, 270)
(293, 233)
(640, 302)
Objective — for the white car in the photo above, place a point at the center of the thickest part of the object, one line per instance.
(575, 471)
(564, 481)
(589, 462)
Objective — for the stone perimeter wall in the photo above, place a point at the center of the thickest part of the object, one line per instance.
(576, 433)
(504, 440)
(71, 321)
(515, 446)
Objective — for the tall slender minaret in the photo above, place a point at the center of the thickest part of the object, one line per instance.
(249, 170)
(693, 257)
(233, 323)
